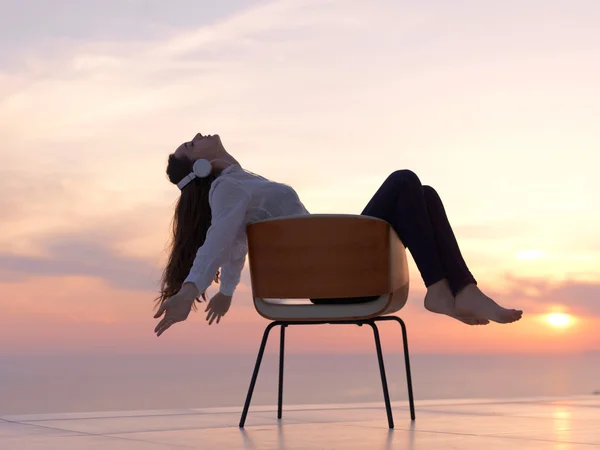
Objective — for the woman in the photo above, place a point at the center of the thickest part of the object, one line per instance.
(215, 207)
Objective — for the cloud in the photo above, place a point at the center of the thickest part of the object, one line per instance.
(28, 26)
(126, 249)
(64, 225)
(80, 255)
(574, 296)
(18, 193)
(37, 207)
(111, 98)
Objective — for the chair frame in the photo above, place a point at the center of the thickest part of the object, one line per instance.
(360, 322)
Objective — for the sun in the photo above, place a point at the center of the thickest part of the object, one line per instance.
(559, 320)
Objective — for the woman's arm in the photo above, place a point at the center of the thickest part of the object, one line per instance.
(231, 272)
(229, 202)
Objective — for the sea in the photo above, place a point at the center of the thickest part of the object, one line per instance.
(87, 383)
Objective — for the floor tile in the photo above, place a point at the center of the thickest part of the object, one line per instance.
(554, 424)
(81, 443)
(13, 429)
(129, 424)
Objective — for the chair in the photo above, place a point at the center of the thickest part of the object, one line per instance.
(296, 260)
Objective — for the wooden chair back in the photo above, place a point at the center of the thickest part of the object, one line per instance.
(325, 256)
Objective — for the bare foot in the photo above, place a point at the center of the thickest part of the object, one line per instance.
(439, 299)
(472, 301)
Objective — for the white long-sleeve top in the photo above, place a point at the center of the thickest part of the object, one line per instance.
(237, 198)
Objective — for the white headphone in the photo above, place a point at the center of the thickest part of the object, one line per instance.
(201, 169)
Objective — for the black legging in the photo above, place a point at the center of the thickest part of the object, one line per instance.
(417, 215)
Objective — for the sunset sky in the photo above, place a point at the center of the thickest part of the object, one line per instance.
(494, 103)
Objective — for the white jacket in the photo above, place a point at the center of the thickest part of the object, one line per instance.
(237, 198)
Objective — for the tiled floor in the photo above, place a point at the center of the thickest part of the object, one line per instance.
(570, 423)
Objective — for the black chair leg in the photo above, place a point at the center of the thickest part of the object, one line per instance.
(386, 394)
(255, 374)
(411, 399)
(281, 353)
(372, 323)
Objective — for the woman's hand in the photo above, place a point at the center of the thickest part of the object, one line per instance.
(176, 308)
(217, 307)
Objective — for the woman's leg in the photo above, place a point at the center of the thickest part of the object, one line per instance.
(401, 202)
(468, 297)
(417, 214)
(455, 268)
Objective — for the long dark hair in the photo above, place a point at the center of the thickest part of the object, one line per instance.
(191, 221)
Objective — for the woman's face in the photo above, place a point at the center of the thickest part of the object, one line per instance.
(200, 147)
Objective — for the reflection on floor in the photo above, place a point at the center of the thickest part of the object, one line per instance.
(567, 423)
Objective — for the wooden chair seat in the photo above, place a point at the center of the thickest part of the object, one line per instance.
(297, 258)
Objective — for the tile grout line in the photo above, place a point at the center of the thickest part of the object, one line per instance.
(72, 433)
(483, 436)
(186, 412)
